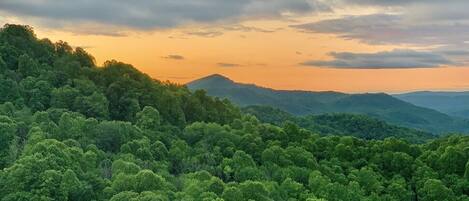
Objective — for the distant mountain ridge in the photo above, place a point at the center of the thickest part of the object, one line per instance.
(451, 103)
(378, 105)
(360, 126)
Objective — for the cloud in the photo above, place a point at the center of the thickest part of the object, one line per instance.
(243, 28)
(398, 58)
(174, 57)
(151, 14)
(379, 2)
(215, 31)
(228, 65)
(204, 33)
(440, 27)
(415, 22)
(454, 52)
(390, 29)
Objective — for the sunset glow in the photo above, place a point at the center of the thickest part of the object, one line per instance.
(272, 51)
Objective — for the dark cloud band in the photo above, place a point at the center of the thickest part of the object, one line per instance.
(150, 14)
(383, 60)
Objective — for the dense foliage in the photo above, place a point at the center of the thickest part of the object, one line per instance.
(72, 131)
(342, 124)
(377, 105)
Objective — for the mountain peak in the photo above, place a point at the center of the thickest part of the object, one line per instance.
(216, 76)
(211, 80)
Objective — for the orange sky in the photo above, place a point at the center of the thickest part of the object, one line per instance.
(265, 59)
(270, 59)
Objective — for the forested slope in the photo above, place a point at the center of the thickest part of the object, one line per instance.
(377, 105)
(70, 130)
(343, 124)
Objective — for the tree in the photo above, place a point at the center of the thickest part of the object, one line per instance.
(148, 118)
(28, 66)
(72, 187)
(466, 173)
(7, 134)
(434, 189)
(233, 194)
(9, 89)
(64, 97)
(110, 135)
(398, 189)
(177, 153)
(3, 65)
(124, 167)
(291, 189)
(146, 180)
(159, 151)
(139, 148)
(317, 182)
(368, 180)
(124, 196)
(453, 161)
(63, 48)
(85, 59)
(95, 105)
(254, 191)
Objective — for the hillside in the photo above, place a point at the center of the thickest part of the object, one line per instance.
(342, 124)
(381, 106)
(451, 103)
(295, 102)
(71, 130)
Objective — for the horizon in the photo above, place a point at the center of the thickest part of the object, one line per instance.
(312, 45)
(390, 93)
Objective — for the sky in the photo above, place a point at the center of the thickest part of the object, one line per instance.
(319, 45)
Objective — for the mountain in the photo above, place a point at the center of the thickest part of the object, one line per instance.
(295, 102)
(361, 126)
(451, 103)
(378, 105)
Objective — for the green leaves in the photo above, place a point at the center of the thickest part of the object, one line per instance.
(110, 135)
(149, 118)
(3, 65)
(7, 134)
(466, 173)
(435, 190)
(76, 132)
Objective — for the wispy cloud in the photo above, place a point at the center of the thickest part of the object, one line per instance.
(219, 30)
(174, 57)
(383, 60)
(228, 65)
(204, 33)
(390, 29)
(414, 22)
(243, 28)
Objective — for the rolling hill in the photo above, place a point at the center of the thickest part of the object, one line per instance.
(341, 124)
(380, 105)
(451, 103)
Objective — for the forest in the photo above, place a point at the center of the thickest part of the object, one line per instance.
(343, 124)
(385, 107)
(73, 130)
